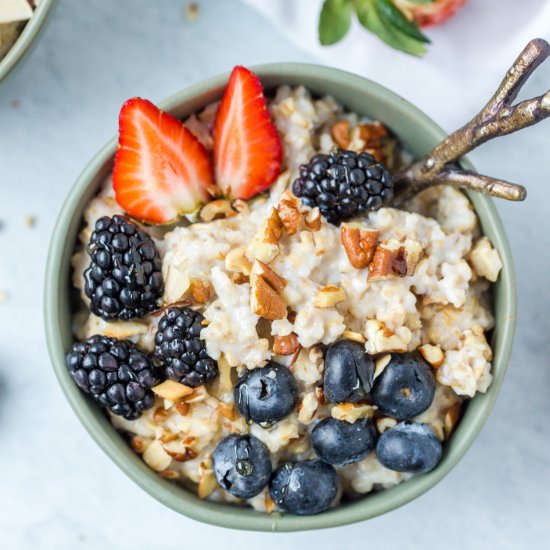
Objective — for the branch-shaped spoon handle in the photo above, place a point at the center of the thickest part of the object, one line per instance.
(498, 118)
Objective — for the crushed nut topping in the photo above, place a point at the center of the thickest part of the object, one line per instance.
(359, 243)
(433, 354)
(395, 258)
(215, 209)
(485, 260)
(351, 412)
(289, 212)
(237, 261)
(266, 288)
(264, 246)
(172, 390)
(286, 345)
(313, 219)
(329, 296)
(340, 132)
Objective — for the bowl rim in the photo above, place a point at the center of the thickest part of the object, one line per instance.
(223, 515)
(27, 38)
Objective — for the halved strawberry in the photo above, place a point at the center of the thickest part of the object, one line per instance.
(247, 148)
(161, 169)
(435, 13)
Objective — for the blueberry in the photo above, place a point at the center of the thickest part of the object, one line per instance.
(349, 372)
(266, 395)
(409, 447)
(304, 488)
(405, 388)
(242, 465)
(340, 443)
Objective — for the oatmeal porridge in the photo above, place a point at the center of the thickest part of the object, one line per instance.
(281, 336)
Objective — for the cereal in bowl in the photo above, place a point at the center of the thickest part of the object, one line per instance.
(256, 315)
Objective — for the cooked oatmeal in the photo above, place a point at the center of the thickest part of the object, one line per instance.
(439, 305)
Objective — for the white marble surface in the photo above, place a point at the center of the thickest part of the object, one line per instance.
(58, 490)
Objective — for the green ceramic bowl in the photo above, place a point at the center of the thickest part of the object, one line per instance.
(27, 38)
(420, 134)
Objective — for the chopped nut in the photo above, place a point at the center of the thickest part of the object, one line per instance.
(433, 354)
(485, 260)
(223, 383)
(451, 419)
(266, 287)
(168, 436)
(360, 244)
(340, 133)
(319, 392)
(382, 339)
(372, 133)
(182, 408)
(213, 209)
(350, 412)
(201, 291)
(156, 457)
(286, 345)
(329, 296)
(138, 444)
(207, 483)
(313, 219)
(124, 329)
(227, 410)
(308, 407)
(236, 260)
(289, 212)
(355, 336)
(241, 206)
(384, 423)
(395, 258)
(178, 450)
(269, 504)
(169, 474)
(264, 246)
(175, 285)
(160, 414)
(198, 394)
(172, 390)
(298, 445)
(381, 364)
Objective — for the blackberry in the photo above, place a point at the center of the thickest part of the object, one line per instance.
(179, 349)
(124, 279)
(115, 373)
(344, 184)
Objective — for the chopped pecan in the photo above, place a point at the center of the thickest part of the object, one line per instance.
(340, 133)
(289, 212)
(266, 288)
(395, 258)
(286, 345)
(313, 219)
(201, 291)
(360, 244)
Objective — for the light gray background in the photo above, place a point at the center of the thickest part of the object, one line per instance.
(57, 489)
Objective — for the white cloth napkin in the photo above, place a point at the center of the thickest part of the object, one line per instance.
(468, 56)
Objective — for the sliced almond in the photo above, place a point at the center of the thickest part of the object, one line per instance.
(172, 390)
(266, 287)
(286, 345)
(308, 407)
(359, 243)
(182, 407)
(124, 329)
(329, 296)
(178, 451)
(289, 212)
(156, 457)
(215, 209)
(176, 285)
(433, 354)
(350, 412)
(197, 394)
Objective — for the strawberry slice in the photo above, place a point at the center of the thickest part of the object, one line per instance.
(161, 169)
(247, 148)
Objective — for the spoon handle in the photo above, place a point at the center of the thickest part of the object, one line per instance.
(498, 118)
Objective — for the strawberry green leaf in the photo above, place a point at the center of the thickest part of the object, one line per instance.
(334, 21)
(393, 16)
(371, 18)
